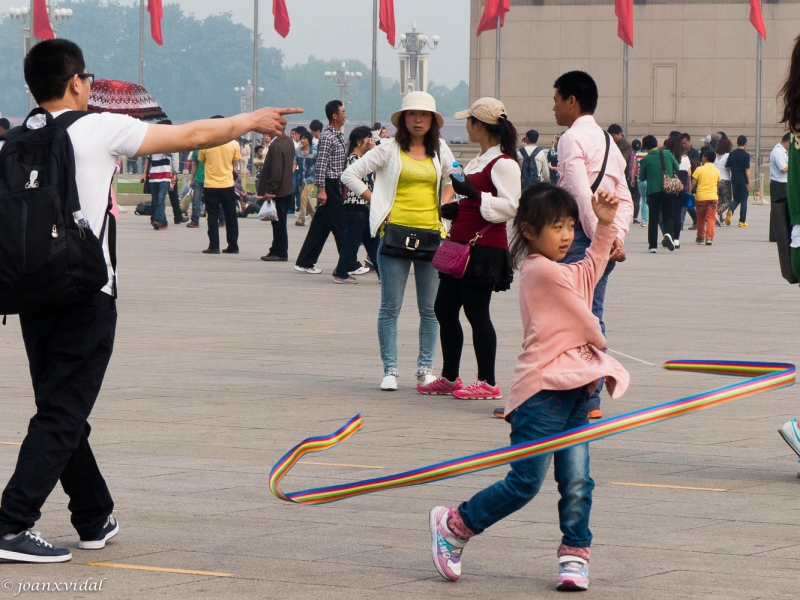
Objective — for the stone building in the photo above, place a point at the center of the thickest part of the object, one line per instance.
(692, 67)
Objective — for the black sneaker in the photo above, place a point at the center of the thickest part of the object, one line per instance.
(500, 412)
(110, 529)
(667, 242)
(30, 548)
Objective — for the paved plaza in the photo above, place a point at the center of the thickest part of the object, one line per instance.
(223, 363)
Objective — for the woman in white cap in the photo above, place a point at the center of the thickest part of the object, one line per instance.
(491, 194)
(410, 172)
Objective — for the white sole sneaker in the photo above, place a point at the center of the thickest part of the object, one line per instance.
(359, 271)
(310, 270)
(389, 383)
(110, 529)
(791, 435)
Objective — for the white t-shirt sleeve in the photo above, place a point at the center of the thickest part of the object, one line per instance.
(124, 134)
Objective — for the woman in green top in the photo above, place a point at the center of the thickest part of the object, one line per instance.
(659, 203)
(410, 172)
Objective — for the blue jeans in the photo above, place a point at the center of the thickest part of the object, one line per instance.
(158, 195)
(575, 253)
(643, 194)
(547, 413)
(394, 275)
(197, 200)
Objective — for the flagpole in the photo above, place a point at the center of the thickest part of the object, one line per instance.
(758, 118)
(625, 88)
(141, 42)
(497, 62)
(374, 117)
(255, 57)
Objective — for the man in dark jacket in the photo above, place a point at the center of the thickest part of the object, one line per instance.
(276, 184)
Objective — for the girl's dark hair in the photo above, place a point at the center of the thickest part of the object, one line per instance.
(403, 136)
(505, 131)
(636, 145)
(359, 133)
(724, 146)
(308, 136)
(791, 92)
(541, 204)
(674, 145)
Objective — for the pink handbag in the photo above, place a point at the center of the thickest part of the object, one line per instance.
(452, 258)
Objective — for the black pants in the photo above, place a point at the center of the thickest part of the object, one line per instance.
(668, 206)
(177, 213)
(740, 196)
(225, 199)
(280, 237)
(636, 197)
(475, 298)
(329, 219)
(356, 232)
(68, 352)
(777, 194)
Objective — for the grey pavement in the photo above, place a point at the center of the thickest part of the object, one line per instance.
(223, 363)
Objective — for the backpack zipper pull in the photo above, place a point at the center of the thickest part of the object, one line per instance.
(54, 233)
(32, 183)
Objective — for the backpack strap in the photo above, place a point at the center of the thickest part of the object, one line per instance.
(68, 118)
(524, 154)
(536, 151)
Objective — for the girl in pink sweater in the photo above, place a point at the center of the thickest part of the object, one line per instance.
(559, 367)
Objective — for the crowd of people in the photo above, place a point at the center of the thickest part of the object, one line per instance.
(398, 197)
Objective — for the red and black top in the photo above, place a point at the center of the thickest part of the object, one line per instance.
(470, 221)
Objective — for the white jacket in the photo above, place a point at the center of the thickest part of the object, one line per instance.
(384, 161)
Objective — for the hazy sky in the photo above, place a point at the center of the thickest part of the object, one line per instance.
(342, 29)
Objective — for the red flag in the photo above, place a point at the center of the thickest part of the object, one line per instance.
(624, 11)
(756, 18)
(41, 21)
(281, 15)
(387, 20)
(493, 10)
(156, 14)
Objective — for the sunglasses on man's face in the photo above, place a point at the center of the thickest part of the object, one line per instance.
(89, 76)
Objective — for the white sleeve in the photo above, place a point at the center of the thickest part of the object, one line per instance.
(506, 177)
(369, 163)
(125, 134)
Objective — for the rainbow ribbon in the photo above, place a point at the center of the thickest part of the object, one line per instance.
(763, 377)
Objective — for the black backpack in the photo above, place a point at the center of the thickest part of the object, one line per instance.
(144, 208)
(530, 172)
(47, 258)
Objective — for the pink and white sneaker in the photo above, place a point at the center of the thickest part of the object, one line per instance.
(446, 546)
(440, 387)
(573, 573)
(480, 390)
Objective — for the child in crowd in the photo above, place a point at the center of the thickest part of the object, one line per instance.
(559, 367)
(706, 181)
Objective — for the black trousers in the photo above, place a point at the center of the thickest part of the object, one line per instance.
(475, 298)
(356, 233)
(177, 213)
(668, 206)
(777, 194)
(329, 219)
(221, 199)
(68, 352)
(280, 237)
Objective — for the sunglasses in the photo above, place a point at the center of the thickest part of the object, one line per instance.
(89, 76)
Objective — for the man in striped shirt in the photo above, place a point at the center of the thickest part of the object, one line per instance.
(158, 175)
(329, 218)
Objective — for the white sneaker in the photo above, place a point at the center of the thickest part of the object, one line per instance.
(791, 435)
(389, 383)
(311, 270)
(359, 271)
(426, 378)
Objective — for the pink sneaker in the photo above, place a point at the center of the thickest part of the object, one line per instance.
(573, 573)
(480, 390)
(440, 387)
(446, 547)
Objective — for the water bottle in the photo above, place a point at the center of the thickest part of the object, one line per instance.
(458, 172)
(80, 220)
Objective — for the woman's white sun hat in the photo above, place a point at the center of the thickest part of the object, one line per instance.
(488, 110)
(418, 101)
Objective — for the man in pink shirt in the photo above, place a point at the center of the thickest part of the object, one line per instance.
(583, 169)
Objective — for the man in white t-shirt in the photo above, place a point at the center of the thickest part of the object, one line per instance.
(69, 346)
(531, 152)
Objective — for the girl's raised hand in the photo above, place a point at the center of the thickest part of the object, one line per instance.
(605, 205)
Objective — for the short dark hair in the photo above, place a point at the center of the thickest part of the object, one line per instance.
(649, 142)
(540, 204)
(315, 125)
(49, 66)
(5, 123)
(675, 133)
(741, 140)
(259, 147)
(532, 136)
(165, 122)
(331, 108)
(376, 126)
(636, 145)
(710, 156)
(686, 136)
(581, 85)
(359, 133)
(307, 135)
(614, 129)
(786, 136)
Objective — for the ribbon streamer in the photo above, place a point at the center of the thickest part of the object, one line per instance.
(763, 377)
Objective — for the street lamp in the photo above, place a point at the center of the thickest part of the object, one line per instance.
(414, 59)
(342, 78)
(246, 99)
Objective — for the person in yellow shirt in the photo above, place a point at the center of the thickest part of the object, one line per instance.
(705, 180)
(219, 193)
